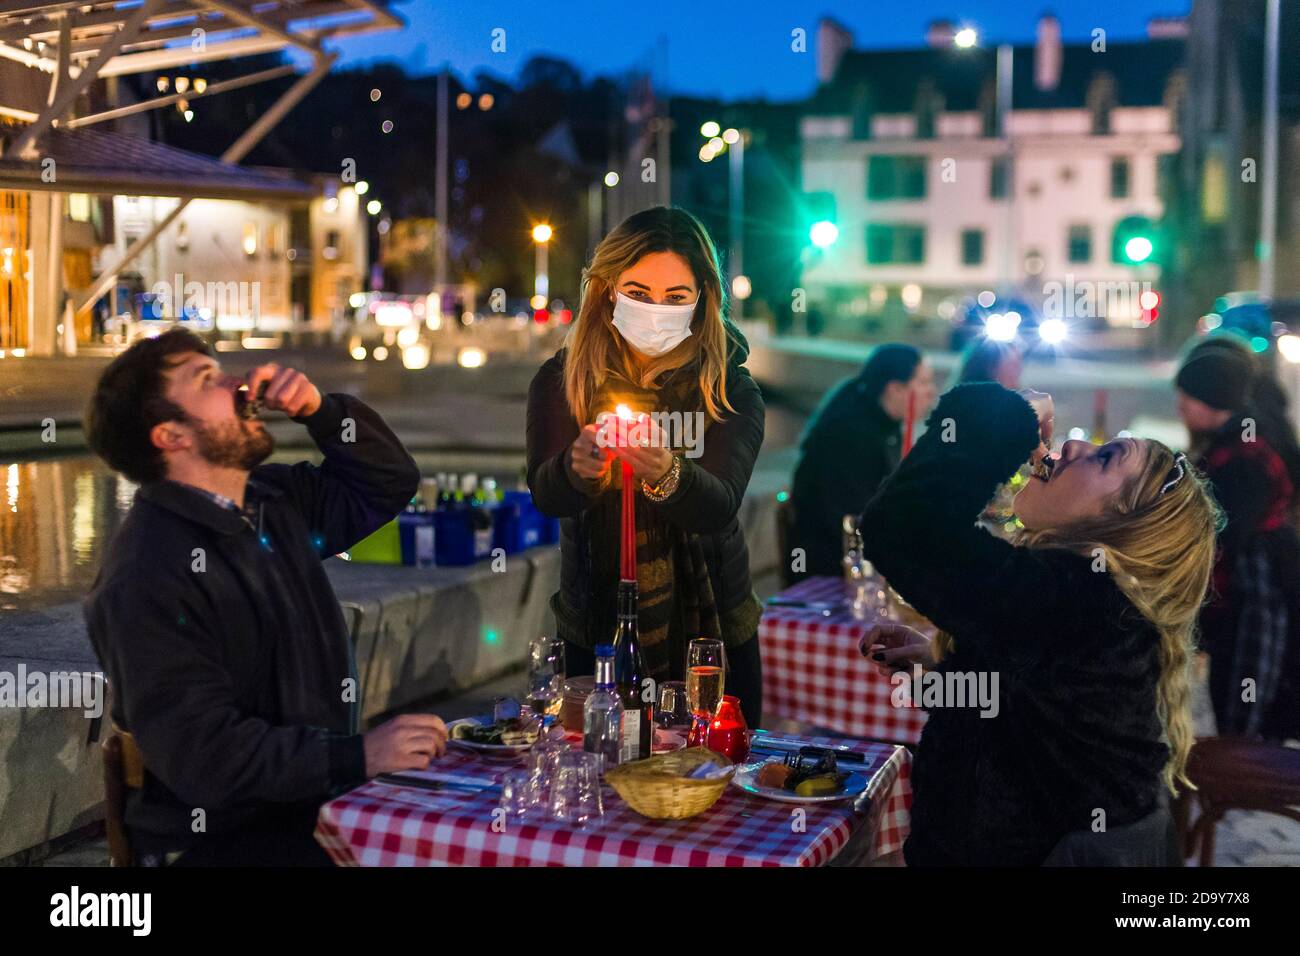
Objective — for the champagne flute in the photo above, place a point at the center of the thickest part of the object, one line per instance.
(546, 677)
(705, 668)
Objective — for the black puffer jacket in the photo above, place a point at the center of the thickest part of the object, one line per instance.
(1076, 729)
(706, 502)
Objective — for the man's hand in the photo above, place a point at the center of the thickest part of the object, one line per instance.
(407, 742)
(287, 390)
(895, 647)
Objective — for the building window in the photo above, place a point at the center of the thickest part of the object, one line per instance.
(1119, 176)
(250, 239)
(79, 207)
(896, 177)
(972, 247)
(899, 243)
(999, 177)
(331, 250)
(1080, 244)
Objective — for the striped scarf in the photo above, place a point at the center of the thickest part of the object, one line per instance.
(675, 595)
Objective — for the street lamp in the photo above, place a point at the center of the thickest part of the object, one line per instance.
(542, 233)
(967, 38)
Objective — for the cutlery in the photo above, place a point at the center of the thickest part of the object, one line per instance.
(420, 783)
(825, 608)
(781, 745)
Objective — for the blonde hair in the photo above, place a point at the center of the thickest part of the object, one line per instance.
(1159, 548)
(594, 347)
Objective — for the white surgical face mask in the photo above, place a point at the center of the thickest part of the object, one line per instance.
(649, 328)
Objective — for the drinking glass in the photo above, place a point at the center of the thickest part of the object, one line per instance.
(705, 669)
(516, 793)
(673, 710)
(575, 795)
(546, 676)
(544, 760)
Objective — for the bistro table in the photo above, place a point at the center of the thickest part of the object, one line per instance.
(814, 673)
(381, 824)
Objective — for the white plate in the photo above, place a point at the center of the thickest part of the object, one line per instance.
(745, 780)
(667, 741)
(500, 749)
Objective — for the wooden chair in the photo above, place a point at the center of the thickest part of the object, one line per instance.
(123, 771)
(1234, 773)
(784, 529)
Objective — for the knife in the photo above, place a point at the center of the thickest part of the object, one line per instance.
(781, 745)
(421, 783)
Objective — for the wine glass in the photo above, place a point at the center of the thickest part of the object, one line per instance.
(705, 669)
(546, 678)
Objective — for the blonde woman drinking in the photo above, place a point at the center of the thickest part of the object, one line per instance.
(1087, 623)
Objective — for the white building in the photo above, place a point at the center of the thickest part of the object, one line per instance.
(901, 149)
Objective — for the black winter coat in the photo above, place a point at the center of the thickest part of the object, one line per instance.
(848, 448)
(707, 501)
(1076, 730)
(228, 664)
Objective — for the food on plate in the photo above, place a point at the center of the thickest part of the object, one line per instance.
(812, 772)
(511, 732)
(820, 786)
(773, 775)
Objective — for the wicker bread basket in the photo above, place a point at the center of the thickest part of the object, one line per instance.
(658, 788)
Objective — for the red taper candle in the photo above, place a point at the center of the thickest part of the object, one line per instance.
(627, 563)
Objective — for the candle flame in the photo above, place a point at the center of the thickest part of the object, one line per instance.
(622, 411)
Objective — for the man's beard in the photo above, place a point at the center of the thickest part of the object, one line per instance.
(233, 444)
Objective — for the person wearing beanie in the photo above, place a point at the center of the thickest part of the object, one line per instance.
(1250, 627)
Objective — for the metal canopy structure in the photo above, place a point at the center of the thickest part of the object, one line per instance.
(171, 33)
(80, 43)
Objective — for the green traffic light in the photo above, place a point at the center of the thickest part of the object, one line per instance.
(1138, 249)
(823, 233)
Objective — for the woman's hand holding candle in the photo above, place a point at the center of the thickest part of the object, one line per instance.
(587, 458)
(649, 459)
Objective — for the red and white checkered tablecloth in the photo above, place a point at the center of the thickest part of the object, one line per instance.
(382, 825)
(814, 673)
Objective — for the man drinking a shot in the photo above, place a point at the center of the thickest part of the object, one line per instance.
(213, 617)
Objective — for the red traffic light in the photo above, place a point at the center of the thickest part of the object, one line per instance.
(541, 316)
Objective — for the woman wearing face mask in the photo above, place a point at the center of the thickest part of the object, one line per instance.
(1087, 624)
(650, 334)
(852, 441)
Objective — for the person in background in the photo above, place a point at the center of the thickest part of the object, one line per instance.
(1249, 627)
(1267, 401)
(650, 334)
(1087, 624)
(851, 443)
(987, 360)
(213, 617)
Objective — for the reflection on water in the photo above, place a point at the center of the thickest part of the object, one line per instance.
(55, 518)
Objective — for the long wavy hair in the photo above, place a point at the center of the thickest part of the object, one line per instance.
(594, 345)
(1160, 551)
